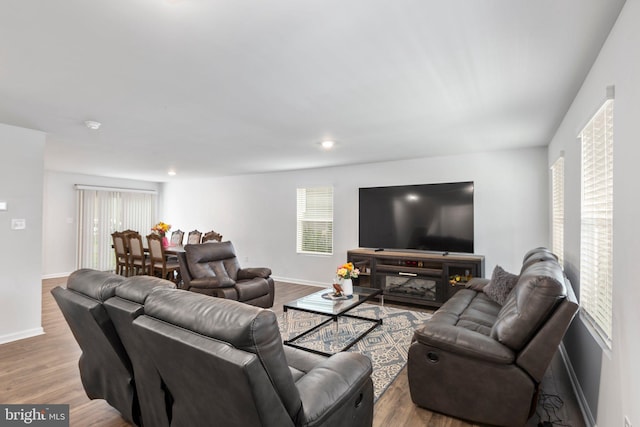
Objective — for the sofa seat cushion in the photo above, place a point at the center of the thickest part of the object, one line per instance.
(469, 309)
(463, 325)
(300, 362)
(252, 289)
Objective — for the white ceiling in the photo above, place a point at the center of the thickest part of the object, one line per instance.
(222, 87)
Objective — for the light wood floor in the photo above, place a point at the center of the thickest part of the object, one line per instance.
(44, 370)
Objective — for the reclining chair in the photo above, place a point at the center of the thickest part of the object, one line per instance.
(223, 364)
(213, 269)
(105, 367)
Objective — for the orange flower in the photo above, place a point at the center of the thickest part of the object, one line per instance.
(347, 271)
(161, 227)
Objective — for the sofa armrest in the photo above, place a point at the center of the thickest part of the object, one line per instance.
(477, 284)
(327, 387)
(212, 282)
(463, 341)
(252, 273)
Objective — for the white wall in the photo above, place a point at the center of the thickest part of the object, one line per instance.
(610, 379)
(21, 166)
(60, 217)
(258, 212)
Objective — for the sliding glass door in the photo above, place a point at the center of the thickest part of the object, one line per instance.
(103, 211)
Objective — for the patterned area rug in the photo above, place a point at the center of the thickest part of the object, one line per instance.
(386, 346)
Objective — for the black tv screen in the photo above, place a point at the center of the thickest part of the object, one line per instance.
(432, 217)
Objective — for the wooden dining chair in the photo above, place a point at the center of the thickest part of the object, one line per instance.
(161, 265)
(122, 253)
(194, 237)
(177, 237)
(211, 235)
(139, 262)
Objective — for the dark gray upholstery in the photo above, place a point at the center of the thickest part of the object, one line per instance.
(223, 364)
(196, 360)
(483, 362)
(123, 309)
(105, 368)
(213, 269)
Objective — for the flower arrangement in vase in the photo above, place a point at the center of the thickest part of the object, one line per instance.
(161, 229)
(343, 284)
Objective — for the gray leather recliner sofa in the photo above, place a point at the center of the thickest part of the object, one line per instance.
(483, 362)
(163, 356)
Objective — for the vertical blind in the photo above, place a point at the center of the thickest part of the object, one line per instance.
(315, 220)
(100, 213)
(557, 209)
(596, 235)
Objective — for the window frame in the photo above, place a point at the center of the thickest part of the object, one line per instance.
(596, 222)
(314, 207)
(558, 208)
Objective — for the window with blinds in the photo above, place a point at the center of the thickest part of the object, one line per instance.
(103, 211)
(315, 220)
(596, 233)
(557, 209)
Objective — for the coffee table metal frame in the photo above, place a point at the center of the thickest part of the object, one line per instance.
(316, 304)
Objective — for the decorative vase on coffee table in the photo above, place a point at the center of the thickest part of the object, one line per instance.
(347, 287)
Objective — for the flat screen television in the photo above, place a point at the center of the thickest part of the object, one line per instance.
(431, 217)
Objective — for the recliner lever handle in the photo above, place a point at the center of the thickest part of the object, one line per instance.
(359, 400)
(433, 357)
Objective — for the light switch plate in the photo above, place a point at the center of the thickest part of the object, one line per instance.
(3, 206)
(18, 224)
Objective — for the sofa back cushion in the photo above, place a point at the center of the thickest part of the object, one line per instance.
(539, 290)
(105, 367)
(244, 327)
(123, 309)
(212, 259)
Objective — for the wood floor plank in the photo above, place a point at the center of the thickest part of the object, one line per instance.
(44, 369)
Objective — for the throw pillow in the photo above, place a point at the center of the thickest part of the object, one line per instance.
(500, 285)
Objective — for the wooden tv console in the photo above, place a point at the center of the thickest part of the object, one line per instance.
(423, 278)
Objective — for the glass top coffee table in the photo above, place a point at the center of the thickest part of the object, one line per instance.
(322, 303)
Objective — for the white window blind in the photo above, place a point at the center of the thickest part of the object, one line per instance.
(557, 209)
(100, 213)
(315, 220)
(596, 236)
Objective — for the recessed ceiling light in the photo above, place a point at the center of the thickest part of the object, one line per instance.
(92, 124)
(327, 145)
(172, 173)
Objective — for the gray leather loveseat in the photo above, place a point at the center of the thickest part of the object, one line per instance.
(481, 361)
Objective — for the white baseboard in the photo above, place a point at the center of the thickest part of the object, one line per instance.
(575, 384)
(301, 282)
(55, 275)
(21, 335)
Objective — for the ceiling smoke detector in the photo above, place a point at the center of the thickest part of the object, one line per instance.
(92, 124)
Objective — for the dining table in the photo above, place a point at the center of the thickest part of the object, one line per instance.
(171, 249)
